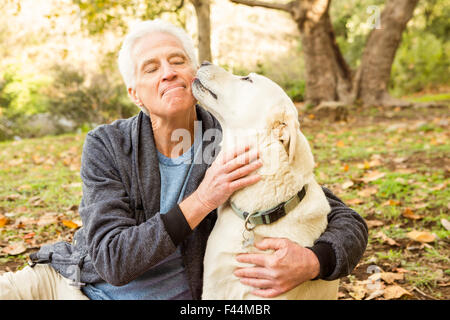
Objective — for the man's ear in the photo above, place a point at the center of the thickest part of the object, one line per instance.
(133, 95)
(285, 130)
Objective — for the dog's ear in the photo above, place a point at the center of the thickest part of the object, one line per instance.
(285, 129)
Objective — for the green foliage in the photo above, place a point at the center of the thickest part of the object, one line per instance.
(287, 71)
(98, 99)
(422, 61)
(21, 92)
(100, 15)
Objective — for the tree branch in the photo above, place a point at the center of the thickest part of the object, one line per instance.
(255, 3)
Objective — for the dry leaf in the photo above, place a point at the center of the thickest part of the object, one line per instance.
(3, 220)
(37, 159)
(400, 159)
(24, 187)
(15, 162)
(401, 270)
(446, 224)
(408, 213)
(367, 192)
(345, 168)
(440, 186)
(354, 201)
(15, 249)
(70, 224)
(48, 218)
(374, 223)
(36, 201)
(372, 176)
(357, 291)
(347, 184)
(340, 144)
(405, 171)
(421, 236)
(390, 277)
(375, 294)
(12, 197)
(385, 238)
(395, 292)
(391, 202)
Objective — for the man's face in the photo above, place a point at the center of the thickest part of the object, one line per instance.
(164, 75)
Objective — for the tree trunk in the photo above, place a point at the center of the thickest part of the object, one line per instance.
(379, 52)
(202, 9)
(328, 77)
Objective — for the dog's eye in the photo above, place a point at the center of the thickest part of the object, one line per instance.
(247, 79)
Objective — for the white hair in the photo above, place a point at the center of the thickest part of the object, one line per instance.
(141, 29)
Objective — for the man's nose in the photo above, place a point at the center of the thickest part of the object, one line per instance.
(169, 72)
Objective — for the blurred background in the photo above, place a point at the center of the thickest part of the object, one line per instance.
(58, 69)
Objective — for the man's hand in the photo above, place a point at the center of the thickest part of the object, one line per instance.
(228, 173)
(275, 273)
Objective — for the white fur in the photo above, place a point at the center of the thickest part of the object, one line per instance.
(269, 117)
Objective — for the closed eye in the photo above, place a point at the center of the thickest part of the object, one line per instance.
(247, 79)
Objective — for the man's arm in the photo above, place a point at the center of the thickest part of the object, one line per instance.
(344, 241)
(120, 249)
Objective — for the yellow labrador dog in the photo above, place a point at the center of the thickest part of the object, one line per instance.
(287, 202)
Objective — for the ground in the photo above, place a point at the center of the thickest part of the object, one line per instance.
(390, 165)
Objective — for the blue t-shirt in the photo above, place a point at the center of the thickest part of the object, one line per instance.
(167, 280)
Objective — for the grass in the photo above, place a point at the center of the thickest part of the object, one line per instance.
(431, 97)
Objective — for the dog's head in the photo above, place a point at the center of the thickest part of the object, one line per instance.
(251, 102)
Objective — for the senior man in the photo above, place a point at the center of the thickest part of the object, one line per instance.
(149, 206)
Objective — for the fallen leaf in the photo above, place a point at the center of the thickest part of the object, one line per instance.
(390, 277)
(340, 144)
(420, 206)
(354, 201)
(70, 224)
(440, 186)
(374, 223)
(367, 192)
(15, 249)
(29, 235)
(400, 159)
(24, 187)
(391, 202)
(395, 292)
(345, 168)
(372, 176)
(357, 291)
(405, 171)
(23, 221)
(375, 294)
(13, 197)
(3, 220)
(347, 184)
(408, 213)
(37, 159)
(385, 238)
(36, 201)
(421, 236)
(446, 224)
(47, 218)
(15, 162)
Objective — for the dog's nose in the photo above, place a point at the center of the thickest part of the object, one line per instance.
(205, 63)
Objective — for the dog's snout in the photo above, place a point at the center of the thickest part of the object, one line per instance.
(205, 63)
